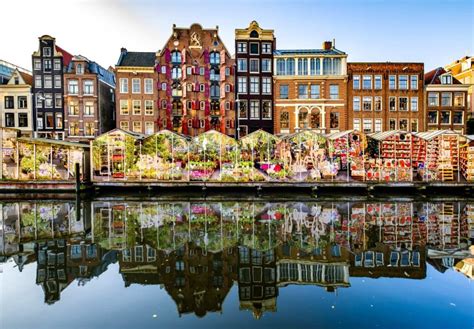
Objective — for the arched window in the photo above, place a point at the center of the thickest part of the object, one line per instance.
(303, 119)
(281, 67)
(215, 58)
(163, 103)
(176, 57)
(214, 76)
(284, 120)
(176, 73)
(315, 119)
(290, 66)
(254, 34)
(177, 108)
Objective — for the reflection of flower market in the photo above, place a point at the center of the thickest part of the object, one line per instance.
(306, 156)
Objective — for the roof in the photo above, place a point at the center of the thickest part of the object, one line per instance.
(339, 134)
(103, 74)
(380, 136)
(169, 132)
(432, 77)
(28, 78)
(53, 142)
(67, 57)
(137, 59)
(332, 51)
(126, 132)
(429, 135)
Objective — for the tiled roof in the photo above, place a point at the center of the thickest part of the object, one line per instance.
(332, 51)
(134, 58)
(67, 57)
(432, 77)
(28, 78)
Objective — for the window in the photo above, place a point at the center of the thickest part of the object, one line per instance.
(57, 65)
(266, 65)
(149, 130)
(392, 124)
(39, 100)
(446, 99)
(124, 110)
(49, 120)
(378, 125)
(283, 91)
(176, 73)
(445, 117)
(137, 126)
(73, 108)
(46, 65)
(47, 51)
(266, 110)
(176, 57)
(48, 81)
(73, 131)
(58, 101)
(124, 125)
(414, 104)
(254, 85)
(281, 67)
(124, 85)
(356, 103)
(9, 102)
(254, 63)
(39, 121)
(284, 120)
(302, 91)
(9, 120)
(392, 103)
(356, 124)
(290, 66)
(148, 86)
(215, 91)
(302, 66)
(314, 92)
(242, 65)
(73, 87)
(164, 86)
(403, 82)
(356, 82)
(22, 120)
(37, 64)
(89, 128)
(458, 117)
(254, 110)
(392, 82)
(243, 110)
(135, 86)
(57, 81)
(334, 91)
(48, 100)
(59, 120)
(88, 87)
(403, 103)
(254, 48)
(403, 124)
(215, 58)
(148, 107)
(378, 103)
(458, 99)
(433, 99)
(214, 76)
(266, 85)
(315, 66)
(334, 120)
(38, 82)
(378, 82)
(432, 117)
(367, 82)
(79, 69)
(414, 125)
(242, 85)
(137, 107)
(413, 82)
(367, 125)
(266, 48)
(22, 102)
(446, 79)
(164, 69)
(242, 47)
(367, 103)
(89, 109)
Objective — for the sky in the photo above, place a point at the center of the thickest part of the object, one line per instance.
(435, 32)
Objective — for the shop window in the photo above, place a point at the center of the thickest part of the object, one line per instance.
(334, 120)
(284, 120)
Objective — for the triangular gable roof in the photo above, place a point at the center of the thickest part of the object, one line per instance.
(429, 135)
(166, 131)
(433, 77)
(259, 132)
(26, 78)
(339, 134)
(213, 132)
(53, 142)
(304, 132)
(380, 136)
(126, 132)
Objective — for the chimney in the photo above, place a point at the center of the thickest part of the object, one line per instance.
(123, 50)
(327, 45)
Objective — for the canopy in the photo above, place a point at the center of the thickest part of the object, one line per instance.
(429, 135)
(380, 136)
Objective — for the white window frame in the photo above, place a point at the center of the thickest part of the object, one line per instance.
(148, 86)
(266, 45)
(354, 102)
(123, 85)
(136, 90)
(266, 85)
(242, 85)
(254, 115)
(414, 82)
(411, 104)
(253, 60)
(241, 47)
(254, 84)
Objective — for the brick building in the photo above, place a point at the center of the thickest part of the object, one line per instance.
(136, 93)
(310, 87)
(88, 99)
(196, 83)
(254, 78)
(446, 105)
(385, 96)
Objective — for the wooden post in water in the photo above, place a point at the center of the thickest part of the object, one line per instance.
(77, 175)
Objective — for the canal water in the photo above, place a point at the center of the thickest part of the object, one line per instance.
(122, 263)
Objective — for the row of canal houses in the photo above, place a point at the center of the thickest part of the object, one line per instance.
(194, 83)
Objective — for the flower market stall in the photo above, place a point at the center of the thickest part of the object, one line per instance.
(466, 154)
(8, 170)
(304, 157)
(163, 156)
(114, 155)
(348, 147)
(258, 150)
(209, 152)
(436, 154)
(390, 156)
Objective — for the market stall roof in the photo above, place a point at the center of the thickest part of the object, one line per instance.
(169, 132)
(470, 137)
(304, 132)
(340, 134)
(126, 132)
(429, 135)
(258, 134)
(213, 135)
(52, 142)
(383, 135)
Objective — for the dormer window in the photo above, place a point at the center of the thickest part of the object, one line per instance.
(254, 34)
(79, 69)
(447, 79)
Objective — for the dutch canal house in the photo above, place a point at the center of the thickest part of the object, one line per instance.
(88, 100)
(310, 89)
(385, 96)
(195, 82)
(254, 48)
(49, 62)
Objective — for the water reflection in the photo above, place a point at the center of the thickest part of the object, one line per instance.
(198, 250)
